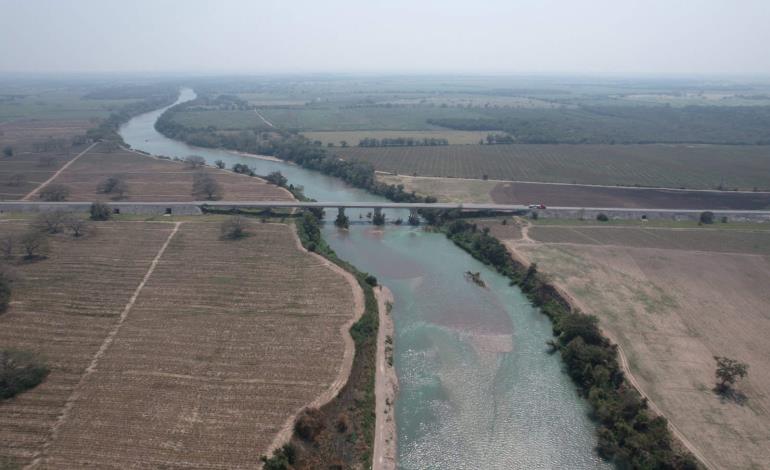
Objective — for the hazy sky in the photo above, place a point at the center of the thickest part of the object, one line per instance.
(626, 37)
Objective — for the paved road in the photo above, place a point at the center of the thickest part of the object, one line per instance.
(30, 205)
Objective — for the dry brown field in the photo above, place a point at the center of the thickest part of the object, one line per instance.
(153, 179)
(600, 196)
(653, 165)
(510, 192)
(672, 299)
(226, 340)
(34, 166)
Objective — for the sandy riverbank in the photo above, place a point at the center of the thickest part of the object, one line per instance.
(386, 387)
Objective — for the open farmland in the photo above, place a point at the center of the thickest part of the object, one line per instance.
(390, 118)
(221, 119)
(152, 179)
(63, 308)
(225, 341)
(562, 194)
(54, 104)
(672, 298)
(671, 166)
(40, 148)
(354, 137)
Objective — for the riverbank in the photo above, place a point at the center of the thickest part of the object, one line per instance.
(285, 434)
(576, 305)
(630, 434)
(385, 386)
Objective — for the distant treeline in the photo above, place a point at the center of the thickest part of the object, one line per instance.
(290, 147)
(108, 129)
(629, 434)
(222, 102)
(624, 124)
(128, 92)
(402, 142)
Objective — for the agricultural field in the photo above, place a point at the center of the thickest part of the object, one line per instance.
(40, 148)
(152, 179)
(509, 192)
(54, 104)
(671, 166)
(221, 119)
(200, 366)
(444, 189)
(353, 137)
(673, 297)
(597, 196)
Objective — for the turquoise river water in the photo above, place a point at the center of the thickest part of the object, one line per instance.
(477, 387)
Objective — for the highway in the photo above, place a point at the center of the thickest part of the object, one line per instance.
(23, 206)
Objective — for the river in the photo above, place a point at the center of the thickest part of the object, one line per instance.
(477, 386)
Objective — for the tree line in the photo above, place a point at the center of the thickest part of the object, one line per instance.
(291, 147)
(629, 433)
(402, 142)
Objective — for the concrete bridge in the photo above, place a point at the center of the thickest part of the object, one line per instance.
(196, 207)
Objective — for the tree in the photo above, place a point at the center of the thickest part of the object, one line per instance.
(219, 164)
(243, 169)
(51, 221)
(100, 211)
(277, 179)
(19, 371)
(35, 244)
(234, 228)
(728, 372)
(602, 217)
(16, 179)
(115, 185)
(78, 225)
(195, 161)
(204, 185)
(8, 151)
(309, 424)
(707, 217)
(55, 193)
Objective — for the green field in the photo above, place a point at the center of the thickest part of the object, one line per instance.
(58, 104)
(353, 137)
(221, 119)
(339, 118)
(673, 166)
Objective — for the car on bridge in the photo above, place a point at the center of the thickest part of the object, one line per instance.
(537, 206)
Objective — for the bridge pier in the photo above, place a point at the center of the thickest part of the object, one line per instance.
(414, 217)
(379, 217)
(342, 220)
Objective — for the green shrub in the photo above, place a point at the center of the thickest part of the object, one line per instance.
(707, 217)
(602, 217)
(371, 280)
(100, 211)
(309, 424)
(19, 371)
